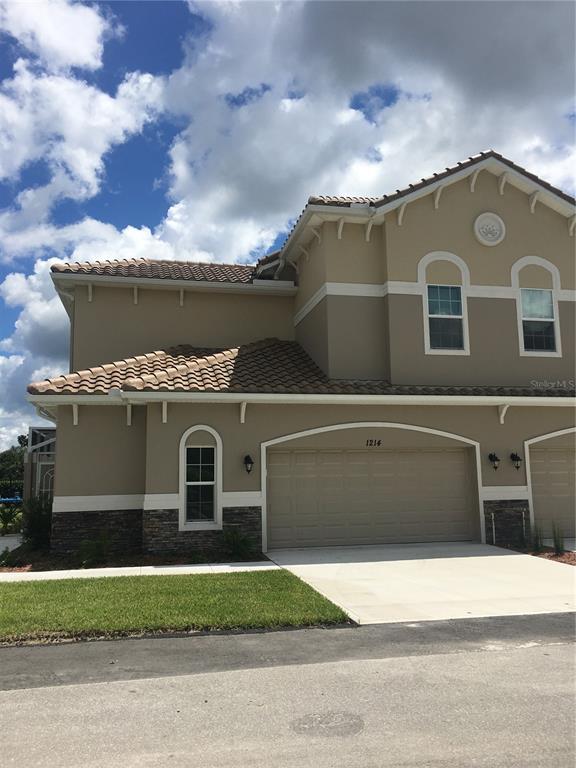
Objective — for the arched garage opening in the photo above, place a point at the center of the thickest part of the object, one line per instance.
(370, 483)
(551, 476)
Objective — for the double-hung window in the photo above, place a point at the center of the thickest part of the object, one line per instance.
(200, 484)
(445, 317)
(538, 322)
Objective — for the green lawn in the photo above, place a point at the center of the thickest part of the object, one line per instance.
(135, 604)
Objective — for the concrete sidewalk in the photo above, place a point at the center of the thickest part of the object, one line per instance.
(139, 570)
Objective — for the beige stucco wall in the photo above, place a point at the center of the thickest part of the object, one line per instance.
(494, 347)
(101, 455)
(312, 334)
(450, 228)
(112, 327)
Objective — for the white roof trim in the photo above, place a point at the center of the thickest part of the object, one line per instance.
(140, 398)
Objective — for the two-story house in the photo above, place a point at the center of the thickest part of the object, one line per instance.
(402, 370)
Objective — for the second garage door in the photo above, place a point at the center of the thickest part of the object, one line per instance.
(341, 497)
(554, 488)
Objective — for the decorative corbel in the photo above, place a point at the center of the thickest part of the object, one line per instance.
(243, 412)
(305, 252)
(181, 297)
(90, 293)
(135, 294)
(502, 183)
(164, 412)
(340, 227)
(316, 234)
(572, 225)
(401, 211)
(502, 410)
(369, 226)
(437, 195)
(533, 200)
(128, 415)
(75, 414)
(473, 179)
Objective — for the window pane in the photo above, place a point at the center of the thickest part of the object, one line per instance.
(446, 333)
(444, 300)
(192, 473)
(192, 455)
(199, 502)
(207, 473)
(537, 303)
(539, 336)
(207, 455)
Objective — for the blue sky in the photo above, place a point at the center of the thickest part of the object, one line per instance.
(197, 131)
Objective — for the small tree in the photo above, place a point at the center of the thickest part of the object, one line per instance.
(37, 522)
(558, 539)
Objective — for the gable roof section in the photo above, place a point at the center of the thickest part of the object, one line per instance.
(188, 271)
(377, 202)
(365, 208)
(269, 366)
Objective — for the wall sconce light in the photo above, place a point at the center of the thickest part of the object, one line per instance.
(516, 460)
(494, 460)
(248, 463)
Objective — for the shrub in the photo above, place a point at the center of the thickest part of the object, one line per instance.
(237, 545)
(537, 542)
(558, 539)
(37, 522)
(5, 558)
(9, 518)
(93, 552)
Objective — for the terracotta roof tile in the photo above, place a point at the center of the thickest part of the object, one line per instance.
(267, 366)
(160, 270)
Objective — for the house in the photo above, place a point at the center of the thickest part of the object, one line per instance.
(401, 370)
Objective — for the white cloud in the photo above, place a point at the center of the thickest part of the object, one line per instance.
(62, 34)
(71, 126)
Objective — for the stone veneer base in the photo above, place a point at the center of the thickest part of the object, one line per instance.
(160, 533)
(150, 531)
(507, 522)
(121, 529)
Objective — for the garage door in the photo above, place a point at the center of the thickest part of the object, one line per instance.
(554, 488)
(340, 497)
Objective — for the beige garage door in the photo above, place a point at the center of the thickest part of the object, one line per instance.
(554, 488)
(340, 497)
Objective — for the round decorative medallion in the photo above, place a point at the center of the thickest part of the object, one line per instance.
(489, 229)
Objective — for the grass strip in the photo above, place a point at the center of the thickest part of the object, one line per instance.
(71, 608)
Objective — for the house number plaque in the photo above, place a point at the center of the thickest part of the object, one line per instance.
(373, 443)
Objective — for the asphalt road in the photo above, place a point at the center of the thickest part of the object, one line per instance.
(468, 693)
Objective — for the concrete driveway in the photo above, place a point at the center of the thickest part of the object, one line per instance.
(426, 582)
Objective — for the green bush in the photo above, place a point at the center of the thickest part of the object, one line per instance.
(93, 552)
(237, 545)
(558, 539)
(10, 518)
(37, 522)
(5, 558)
(537, 540)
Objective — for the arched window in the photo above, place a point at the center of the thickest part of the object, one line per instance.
(444, 279)
(537, 283)
(200, 479)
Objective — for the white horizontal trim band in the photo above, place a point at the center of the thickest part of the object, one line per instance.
(148, 501)
(96, 503)
(242, 498)
(503, 492)
(407, 288)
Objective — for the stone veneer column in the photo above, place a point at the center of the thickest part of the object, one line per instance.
(507, 522)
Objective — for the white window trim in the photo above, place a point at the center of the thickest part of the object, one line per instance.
(556, 352)
(429, 350)
(537, 261)
(201, 525)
